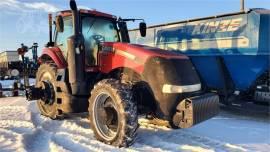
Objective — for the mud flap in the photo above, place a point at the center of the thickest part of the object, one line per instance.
(194, 110)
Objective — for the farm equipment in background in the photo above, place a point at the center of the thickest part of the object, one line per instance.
(11, 67)
(230, 52)
(25, 68)
(10, 64)
(29, 67)
(13, 89)
(90, 66)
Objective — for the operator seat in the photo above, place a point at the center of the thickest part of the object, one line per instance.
(91, 51)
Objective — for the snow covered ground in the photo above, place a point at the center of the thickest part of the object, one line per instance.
(22, 128)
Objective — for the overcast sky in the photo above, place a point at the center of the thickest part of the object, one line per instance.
(26, 20)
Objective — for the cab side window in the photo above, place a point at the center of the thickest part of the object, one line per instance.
(61, 38)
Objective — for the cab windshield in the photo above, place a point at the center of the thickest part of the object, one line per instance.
(96, 30)
(100, 29)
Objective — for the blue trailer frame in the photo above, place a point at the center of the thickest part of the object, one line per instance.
(231, 52)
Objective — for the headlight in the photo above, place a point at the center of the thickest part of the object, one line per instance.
(167, 88)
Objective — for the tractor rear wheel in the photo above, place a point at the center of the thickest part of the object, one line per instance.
(46, 75)
(113, 113)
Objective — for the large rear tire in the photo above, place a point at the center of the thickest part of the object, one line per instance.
(47, 73)
(113, 113)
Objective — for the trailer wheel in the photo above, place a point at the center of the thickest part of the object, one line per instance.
(113, 113)
(46, 74)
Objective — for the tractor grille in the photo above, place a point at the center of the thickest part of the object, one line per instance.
(171, 71)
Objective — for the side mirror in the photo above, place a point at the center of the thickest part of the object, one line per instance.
(143, 29)
(59, 23)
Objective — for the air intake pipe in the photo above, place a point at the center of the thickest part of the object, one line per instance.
(75, 55)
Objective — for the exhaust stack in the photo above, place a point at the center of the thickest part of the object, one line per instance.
(50, 43)
(75, 15)
(75, 58)
(50, 28)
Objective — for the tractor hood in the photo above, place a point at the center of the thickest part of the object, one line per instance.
(141, 52)
(171, 67)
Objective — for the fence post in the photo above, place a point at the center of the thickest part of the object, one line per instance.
(1, 90)
(15, 89)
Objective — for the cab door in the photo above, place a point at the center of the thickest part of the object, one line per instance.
(61, 37)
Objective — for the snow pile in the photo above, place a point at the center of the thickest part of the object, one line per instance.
(23, 129)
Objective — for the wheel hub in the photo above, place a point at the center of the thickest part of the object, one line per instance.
(48, 92)
(106, 116)
(111, 117)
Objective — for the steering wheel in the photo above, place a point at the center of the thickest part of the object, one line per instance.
(98, 38)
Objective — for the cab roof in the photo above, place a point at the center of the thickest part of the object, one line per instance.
(90, 12)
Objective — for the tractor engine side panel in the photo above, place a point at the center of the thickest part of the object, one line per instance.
(109, 61)
(160, 72)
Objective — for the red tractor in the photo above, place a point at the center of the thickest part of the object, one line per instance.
(91, 66)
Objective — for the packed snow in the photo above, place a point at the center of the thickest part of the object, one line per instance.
(22, 128)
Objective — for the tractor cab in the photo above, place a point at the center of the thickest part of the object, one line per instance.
(96, 28)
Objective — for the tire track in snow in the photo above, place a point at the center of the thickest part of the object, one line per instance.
(76, 135)
(14, 112)
(75, 142)
(14, 122)
(10, 141)
(54, 147)
(19, 120)
(39, 139)
(72, 134)
(17, 126)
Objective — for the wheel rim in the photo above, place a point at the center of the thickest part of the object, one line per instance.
(44, 80)
(106, 116)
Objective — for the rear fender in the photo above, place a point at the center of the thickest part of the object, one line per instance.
(56, 55)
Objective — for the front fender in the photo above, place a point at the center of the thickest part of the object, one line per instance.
(56, 55)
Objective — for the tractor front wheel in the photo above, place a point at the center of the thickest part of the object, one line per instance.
(113, 113)
(45, 78)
